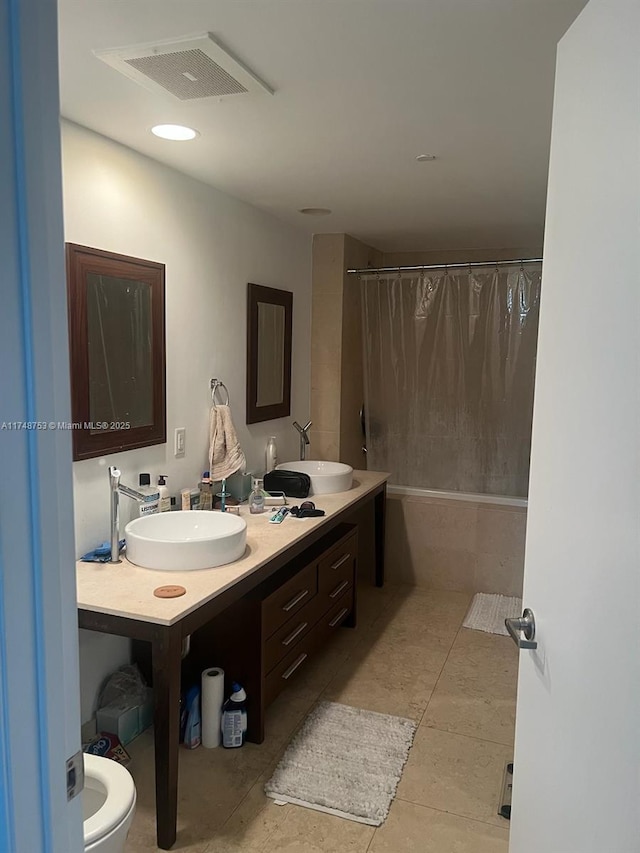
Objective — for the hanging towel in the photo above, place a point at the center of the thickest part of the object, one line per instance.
(225, 454)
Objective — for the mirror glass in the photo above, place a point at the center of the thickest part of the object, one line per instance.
(269, 330)
(120, 354)
(271, 320)
(117, 351)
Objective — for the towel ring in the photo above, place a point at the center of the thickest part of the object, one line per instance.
(215, 385)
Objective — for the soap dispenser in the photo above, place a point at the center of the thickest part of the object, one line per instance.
(163, 491)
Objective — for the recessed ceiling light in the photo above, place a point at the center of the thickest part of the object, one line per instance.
(424, 158)
(177, 132)
(315, 211)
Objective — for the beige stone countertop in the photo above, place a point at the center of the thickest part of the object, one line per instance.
(127, 590)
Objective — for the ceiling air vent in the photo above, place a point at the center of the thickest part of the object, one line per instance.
(188, 68)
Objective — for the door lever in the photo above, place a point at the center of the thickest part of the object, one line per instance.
(522, 630)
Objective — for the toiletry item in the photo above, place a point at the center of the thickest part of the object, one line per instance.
(239, 486)
(233, 725)
(151, 502)
(279, 516)
(163, 491)
(186, 498)
(212, 699)
(271, 454)
(275, 499)
(206, 492)
(193, 725)
(256, 498)
(194, 499)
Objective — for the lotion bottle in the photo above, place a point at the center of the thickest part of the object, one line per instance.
(163, 491)
(271, 454)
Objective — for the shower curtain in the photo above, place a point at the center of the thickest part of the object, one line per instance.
(449, 366)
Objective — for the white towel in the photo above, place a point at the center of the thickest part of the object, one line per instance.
(225, 454)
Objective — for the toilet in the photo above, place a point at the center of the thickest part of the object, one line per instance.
(108, 804)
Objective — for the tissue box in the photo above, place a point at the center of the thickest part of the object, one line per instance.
(120, 720)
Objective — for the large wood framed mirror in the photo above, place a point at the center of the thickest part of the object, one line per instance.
(269, 332)
(117, 351)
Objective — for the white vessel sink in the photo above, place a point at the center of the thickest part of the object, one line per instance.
(182, 541)
(327, 478)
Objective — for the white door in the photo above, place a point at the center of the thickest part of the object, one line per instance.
(577, 753)
(39, 691)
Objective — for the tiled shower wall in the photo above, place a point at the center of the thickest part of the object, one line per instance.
(457, 545)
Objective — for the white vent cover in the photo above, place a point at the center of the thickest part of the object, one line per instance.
(188, 68)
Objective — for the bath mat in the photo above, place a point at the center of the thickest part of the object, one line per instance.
(344, 761)
(488, 612)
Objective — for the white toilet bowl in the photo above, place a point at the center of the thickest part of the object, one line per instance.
(108, 804)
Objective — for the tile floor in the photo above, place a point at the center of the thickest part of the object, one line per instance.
(408, 656)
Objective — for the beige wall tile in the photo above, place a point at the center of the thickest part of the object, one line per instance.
(328, 263)
(325, 410)
(325, 444)
(495, 573)
(501, 533)
(411, 828)
(326, 330)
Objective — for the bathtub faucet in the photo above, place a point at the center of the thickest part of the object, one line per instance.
(304, 439)
(116, 488)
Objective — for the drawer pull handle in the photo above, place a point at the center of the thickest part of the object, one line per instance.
(336, 592)
(297, 662)
(341, 561)
(296, 599)
(295, 634)
(339, 617)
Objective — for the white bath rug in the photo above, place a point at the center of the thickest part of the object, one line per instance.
(488, 612)
(344, 761)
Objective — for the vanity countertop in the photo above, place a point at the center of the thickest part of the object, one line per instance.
(127, 590)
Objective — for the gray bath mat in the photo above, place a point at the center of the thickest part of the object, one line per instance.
(488, 612)
(344, 761)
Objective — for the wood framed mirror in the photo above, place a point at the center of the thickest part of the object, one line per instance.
(269, 333)
(117, 351)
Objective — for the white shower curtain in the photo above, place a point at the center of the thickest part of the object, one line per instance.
(449, 364)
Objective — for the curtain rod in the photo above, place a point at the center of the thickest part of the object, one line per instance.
(424, 267)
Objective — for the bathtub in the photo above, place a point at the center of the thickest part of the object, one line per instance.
(469, 497)
(457, 541)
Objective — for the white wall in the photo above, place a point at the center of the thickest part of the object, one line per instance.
(212, 245)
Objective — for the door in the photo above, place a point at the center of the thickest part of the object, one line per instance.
(39, 691)
(577, 751)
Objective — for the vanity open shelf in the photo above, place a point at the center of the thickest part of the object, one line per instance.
(267, 638)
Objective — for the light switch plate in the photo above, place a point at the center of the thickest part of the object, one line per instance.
(179, 441)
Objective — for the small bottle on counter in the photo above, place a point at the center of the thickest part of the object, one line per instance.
(271, 454)
(151, 502)
(256, 498)
(233, 724)
(163, 491)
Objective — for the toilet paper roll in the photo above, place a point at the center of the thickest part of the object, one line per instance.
(212, 699)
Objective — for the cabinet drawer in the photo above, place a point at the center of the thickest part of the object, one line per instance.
(293, 631)
(291, 597)
(290, 666)
(335, 617)
(338, 565)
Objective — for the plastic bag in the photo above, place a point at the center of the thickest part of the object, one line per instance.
(124, 688)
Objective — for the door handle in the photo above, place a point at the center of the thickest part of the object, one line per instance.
(523, 630)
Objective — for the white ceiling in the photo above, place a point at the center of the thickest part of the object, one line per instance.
(361, 88)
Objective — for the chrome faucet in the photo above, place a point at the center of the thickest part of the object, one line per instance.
(116, 488)
(304, 439)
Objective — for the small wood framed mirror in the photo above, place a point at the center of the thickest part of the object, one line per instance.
(117, 351)
(269, 332)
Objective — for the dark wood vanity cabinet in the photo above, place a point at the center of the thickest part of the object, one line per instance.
(267, 638)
